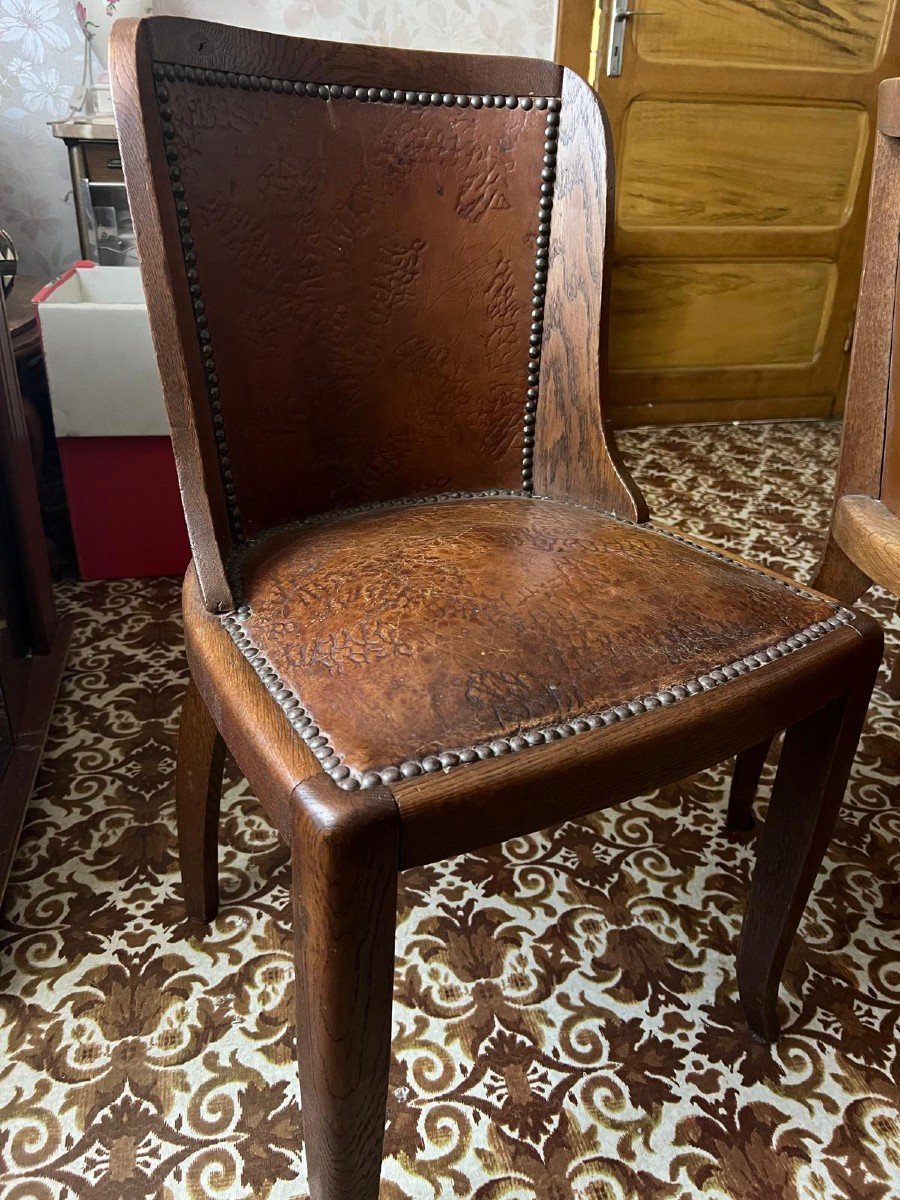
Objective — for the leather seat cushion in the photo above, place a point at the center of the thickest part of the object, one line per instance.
(468, 626)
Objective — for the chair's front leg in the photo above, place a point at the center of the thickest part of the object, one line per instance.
(198, 789)
(809, 786)
(345, 856)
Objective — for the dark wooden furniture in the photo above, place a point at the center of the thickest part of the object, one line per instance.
(426, 610)
(21, 315)
(864, 539)
(33, 642)
(863, 545)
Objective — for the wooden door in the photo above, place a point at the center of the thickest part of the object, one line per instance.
(743, 133)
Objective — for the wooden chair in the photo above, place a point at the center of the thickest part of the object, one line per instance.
(863, 545)
(864, 539)
(426, 611)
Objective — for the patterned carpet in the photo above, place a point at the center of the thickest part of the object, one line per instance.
(566, 1020)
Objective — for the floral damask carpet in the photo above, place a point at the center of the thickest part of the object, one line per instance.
(566, 1019)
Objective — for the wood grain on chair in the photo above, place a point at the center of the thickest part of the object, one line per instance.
(426, 610)
(864, 540)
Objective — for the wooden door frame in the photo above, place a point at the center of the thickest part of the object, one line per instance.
(574, 30)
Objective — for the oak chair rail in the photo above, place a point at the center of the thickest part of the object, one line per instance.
(481, 591)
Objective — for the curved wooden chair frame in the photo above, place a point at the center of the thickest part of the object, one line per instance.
(352, 828)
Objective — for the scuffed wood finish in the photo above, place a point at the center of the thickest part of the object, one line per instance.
(809, 787)
(576, 319)
(859, 471)
(865, 451)
(890, 462)
(889, 119)
(198, 791)
(345, 858)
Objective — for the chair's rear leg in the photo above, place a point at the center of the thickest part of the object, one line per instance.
(812, 776)
(198, 790)
(345, 856)
(744, 785)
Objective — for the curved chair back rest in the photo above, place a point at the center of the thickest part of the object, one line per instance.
(347, 254)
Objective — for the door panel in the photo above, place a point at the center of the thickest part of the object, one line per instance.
(743, 133)
(839, 35)
(669, 314)
(792, 166)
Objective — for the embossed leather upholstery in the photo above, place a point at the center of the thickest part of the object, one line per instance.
(382, 294)
(466, 627)
(366, 272)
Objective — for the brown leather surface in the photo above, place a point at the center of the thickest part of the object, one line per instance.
(410, 630)
(366, 270)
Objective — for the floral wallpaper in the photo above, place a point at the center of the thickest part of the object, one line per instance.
(40, 67)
